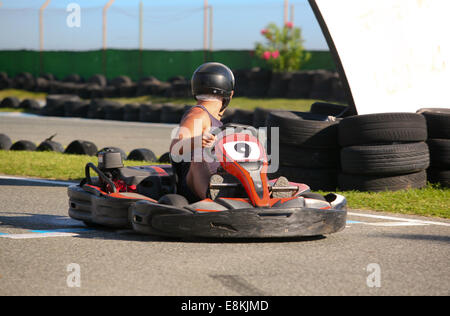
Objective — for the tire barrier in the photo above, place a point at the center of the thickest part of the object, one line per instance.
(255, 82)
(308, 151)
(438, 124)
(384, 151)
(80, 147)
(55, 105)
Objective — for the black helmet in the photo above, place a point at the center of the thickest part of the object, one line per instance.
(213, 78)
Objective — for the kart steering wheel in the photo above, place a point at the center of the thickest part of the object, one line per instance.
(229, 128)
(102, 176)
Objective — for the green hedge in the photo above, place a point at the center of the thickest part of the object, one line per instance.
(136, 64)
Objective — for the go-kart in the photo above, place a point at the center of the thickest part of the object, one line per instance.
(242, 202)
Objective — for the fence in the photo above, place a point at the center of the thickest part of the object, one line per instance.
(134, 63)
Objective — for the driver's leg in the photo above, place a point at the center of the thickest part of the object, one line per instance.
(198, 179)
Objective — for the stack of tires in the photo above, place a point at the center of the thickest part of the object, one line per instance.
(438, 123)
(308, 148)
(384, 151)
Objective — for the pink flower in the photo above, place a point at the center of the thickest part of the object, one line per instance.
(289, 25)
(266, 55)
(275, 54)
(263, 32)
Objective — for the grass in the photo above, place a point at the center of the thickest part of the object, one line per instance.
(22, 94)
(430, 201)
(48, 165)
(238, 102)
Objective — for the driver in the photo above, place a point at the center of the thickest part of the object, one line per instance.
(213, 87)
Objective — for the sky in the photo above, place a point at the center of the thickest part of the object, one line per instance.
(167, 24)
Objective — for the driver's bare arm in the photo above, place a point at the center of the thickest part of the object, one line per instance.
(193, 132)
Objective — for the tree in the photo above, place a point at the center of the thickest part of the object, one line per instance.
(283, 49)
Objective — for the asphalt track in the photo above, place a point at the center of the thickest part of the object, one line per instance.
(103, 133)
(377, 254)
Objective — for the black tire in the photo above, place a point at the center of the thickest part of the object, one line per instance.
(259, 82)
(304, 129)
(228, 115)
(128, 90)
(10, 102)
(23, 145)
(438, 124)
(315, 158)
(24, 81)
(260, 117)
(439, 176)
(150, 113)
(279, 84)
(142, 154)
(321, 85)
(81, 147)
(100, 80)
(120, 81)
(174, 200)
(439, 153)
(76, 108)
(316, 179)
(131, 112)
(42, 85)
(113, 110)
(300, 85)
(385, 159)
(55, 104)
(73, 78)
(382, 128)
(50, 145)
(171, 114)
(30, 105)
(165, 158)
(325, 108)
(97, 109)
(351, 182)
(243, 117)
(5, 142)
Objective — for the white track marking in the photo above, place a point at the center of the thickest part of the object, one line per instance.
(66, 183)
(38, 235)
(399, 219)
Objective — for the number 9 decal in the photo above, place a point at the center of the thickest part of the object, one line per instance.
(242, 150)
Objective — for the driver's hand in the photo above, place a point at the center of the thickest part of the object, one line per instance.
(208, 139)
